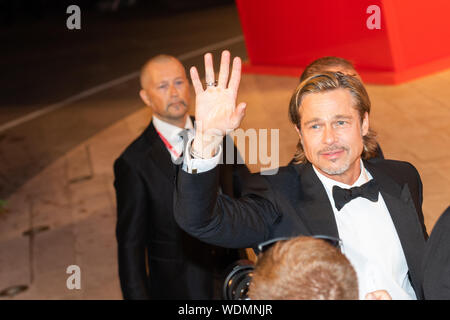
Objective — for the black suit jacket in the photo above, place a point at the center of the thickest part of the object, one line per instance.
(294, 202)
(436, 283)
(179, 266)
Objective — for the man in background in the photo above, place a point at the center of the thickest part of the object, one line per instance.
(331, 64)
(157, 260)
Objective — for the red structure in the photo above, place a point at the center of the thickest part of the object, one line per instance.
(284, 36)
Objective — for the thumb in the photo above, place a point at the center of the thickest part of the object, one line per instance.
(239, 113)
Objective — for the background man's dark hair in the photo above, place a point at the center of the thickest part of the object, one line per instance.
(325, 64)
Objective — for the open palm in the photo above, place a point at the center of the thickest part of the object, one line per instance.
(215, 107)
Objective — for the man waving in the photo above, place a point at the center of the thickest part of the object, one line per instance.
(336, 188)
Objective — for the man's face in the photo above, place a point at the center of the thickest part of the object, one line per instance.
(332, 134)
(166, 89)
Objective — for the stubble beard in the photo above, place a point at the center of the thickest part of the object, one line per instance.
(342, 168)
(172, 105)
(337, 171)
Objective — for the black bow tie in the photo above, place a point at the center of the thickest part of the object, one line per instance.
(368, 190)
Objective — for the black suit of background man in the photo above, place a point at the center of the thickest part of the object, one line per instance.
(179, 266)
(157, 260)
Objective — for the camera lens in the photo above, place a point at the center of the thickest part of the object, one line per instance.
(238, 280)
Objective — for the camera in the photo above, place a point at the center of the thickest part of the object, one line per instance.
(237, 280)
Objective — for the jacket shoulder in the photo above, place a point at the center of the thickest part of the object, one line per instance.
(135, 150)
(394, 167)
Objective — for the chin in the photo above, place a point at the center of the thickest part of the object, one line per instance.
(334, 172)
(178, 114)
(335, 169)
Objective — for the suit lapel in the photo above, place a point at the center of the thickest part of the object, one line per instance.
(158, 152)
(314, 205)
(405, 218)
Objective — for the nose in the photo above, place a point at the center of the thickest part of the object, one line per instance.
(329, 135)
(173, 91)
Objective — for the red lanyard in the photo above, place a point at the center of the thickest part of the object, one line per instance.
(168, 145)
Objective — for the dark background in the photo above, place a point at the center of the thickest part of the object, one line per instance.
(43, 63)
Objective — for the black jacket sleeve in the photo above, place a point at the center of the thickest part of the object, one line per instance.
(233, 171)
(216, 218)
(132, 213)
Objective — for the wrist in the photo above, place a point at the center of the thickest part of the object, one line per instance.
(205, 146)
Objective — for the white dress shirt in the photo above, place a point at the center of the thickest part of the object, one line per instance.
(370, 241)
(172, 134)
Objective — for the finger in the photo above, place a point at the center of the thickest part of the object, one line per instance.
(235, 75)
(196, 83)
(209, 68)
(370, 296)
(224, 69)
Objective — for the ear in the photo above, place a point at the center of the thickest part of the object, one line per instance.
(365, 125)
(145, 97)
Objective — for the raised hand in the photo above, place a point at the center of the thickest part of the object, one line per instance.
(216, 113)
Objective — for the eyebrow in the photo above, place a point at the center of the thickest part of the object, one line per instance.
(342, 116)
(166, 81)
(312, 121)
(336, 117)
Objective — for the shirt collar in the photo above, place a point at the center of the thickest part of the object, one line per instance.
(169, 131)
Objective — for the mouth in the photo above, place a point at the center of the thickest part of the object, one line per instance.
(177, 104)
(333, 154)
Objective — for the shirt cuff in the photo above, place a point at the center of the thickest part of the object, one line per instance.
(193, 165)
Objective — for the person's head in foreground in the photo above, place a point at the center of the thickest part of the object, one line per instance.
(165, 89)
(303, 268)
(330, 112)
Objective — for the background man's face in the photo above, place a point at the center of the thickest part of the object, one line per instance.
(331, 132)
(166, 89)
